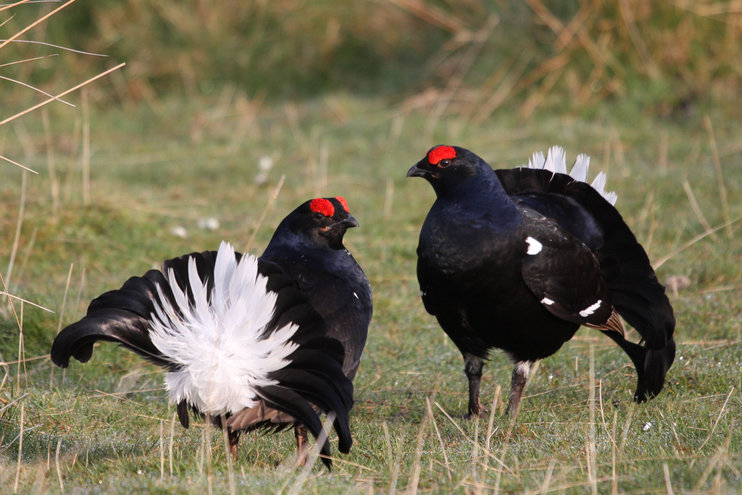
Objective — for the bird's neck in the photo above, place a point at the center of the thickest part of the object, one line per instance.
(486, 196)
(289, 245)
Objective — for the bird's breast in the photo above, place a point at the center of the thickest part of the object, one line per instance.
(458, 248)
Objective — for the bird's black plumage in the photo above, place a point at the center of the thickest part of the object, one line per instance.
(313, 254)
(519, 259)
(313, 378)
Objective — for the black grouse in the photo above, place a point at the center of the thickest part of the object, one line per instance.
(518, 259)
(242, 341)
(313, 255)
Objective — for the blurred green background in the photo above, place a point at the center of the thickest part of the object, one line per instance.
(668, 57)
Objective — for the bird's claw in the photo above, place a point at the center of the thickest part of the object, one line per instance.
(478, 411)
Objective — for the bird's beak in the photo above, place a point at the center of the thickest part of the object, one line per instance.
(415, 171)
(349, 222)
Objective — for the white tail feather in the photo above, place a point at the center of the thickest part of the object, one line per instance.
(556, 161)
(598, 182)
(537, 160)
(219, 341)
(580, 168)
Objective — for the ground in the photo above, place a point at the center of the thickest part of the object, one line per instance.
(178, 177)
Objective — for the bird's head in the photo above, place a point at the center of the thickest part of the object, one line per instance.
(321, 221)
(445, 166)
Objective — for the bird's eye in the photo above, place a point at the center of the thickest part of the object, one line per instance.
(444, 163)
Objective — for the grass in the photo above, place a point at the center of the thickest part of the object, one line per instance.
(106, 427)
(112, 184)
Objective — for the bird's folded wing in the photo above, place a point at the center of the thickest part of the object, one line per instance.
(565, 276)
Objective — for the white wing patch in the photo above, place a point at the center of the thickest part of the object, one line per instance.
(218, 339)
(590, 309)
(556, 161)
(546, 301)
(534, 247)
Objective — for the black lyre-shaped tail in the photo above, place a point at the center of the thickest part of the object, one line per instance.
(635, 291)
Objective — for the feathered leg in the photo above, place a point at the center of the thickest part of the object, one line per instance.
(473, 369)
(518, 383)
(302, 445)
(234, 438)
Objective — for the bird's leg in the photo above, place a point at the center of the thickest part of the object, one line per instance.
(233, 437)
(520, 376)
(302, 445)
(473, 369)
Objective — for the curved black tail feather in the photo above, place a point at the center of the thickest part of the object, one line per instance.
(120, 316)
(651, 365)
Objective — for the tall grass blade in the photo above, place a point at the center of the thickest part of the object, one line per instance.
(74, 88)
(719, 175)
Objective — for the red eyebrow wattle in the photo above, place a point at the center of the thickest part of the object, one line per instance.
(344, 203)
(441, 153)
(321, 205)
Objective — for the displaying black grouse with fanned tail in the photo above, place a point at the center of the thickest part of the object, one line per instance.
(242, 343)
(308, 246)
(519, 259)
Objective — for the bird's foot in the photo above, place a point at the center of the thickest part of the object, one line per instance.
(481, 414)
(478, 411)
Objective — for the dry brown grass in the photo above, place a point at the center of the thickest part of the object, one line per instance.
(476, 55)
(672, 54)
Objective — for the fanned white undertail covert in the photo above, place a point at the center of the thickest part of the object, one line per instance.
(556, 161)
(220, 342)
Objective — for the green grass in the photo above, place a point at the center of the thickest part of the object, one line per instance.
(105, 427)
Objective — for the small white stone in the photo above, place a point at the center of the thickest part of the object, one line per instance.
(208, 223)
(534, 247)
(647, 426)
(265, 163)
(179, 231)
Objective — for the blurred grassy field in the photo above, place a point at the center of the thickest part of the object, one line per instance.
(135, 173)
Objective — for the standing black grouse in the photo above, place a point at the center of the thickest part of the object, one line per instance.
(519, 259)
(242, 341)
